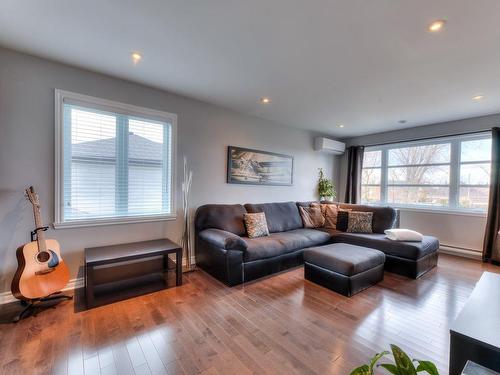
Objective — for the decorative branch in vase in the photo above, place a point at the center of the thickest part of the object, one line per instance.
(326, 188)
(186, 232)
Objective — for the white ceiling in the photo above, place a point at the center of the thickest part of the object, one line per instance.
(366, 64)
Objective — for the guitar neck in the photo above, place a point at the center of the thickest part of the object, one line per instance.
(40, 235)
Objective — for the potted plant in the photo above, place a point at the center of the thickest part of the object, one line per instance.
(403, 365)
(326, 188)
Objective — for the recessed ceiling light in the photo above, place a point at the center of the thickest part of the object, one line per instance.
(402, 121)
(265, 100)
(136, 57)
(340, 125)
(477, 97)
(436, 26)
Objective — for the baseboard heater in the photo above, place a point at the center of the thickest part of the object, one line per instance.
(460, 251)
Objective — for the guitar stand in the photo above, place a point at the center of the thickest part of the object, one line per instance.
(34, 233)
(33, 306)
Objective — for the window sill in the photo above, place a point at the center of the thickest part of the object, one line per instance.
(441, 211)
(108, 221)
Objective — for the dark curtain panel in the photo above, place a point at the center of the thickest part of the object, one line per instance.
(491, 250)
(354, 165)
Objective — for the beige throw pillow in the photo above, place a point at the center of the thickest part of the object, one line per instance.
(330, 212)
(360, 222)
(256, 225)
(312, 217)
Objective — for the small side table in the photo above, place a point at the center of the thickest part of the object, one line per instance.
(105, 255)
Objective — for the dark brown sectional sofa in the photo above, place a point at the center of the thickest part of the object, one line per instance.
(224, 250)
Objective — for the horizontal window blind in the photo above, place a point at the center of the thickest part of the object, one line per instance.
(115, 164)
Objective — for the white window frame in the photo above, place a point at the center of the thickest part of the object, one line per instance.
(111, 106)
(454, 184)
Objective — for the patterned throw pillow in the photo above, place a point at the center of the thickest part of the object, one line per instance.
(256, 225)
(312, 217)
(360, 222)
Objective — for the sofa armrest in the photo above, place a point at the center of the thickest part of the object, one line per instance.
(222, 239)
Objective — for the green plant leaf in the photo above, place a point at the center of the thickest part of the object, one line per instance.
(390, 367)
(403, 362)
(326, 188)
(427, 366)
(376, 358)
(362, 370)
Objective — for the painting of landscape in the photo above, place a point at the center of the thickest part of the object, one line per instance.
(247, 166)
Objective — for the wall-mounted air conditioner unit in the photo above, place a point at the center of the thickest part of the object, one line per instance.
(329, 145)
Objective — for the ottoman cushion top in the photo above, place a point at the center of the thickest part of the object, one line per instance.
(346, 259)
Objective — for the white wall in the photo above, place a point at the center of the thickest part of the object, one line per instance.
(453, 230)
(204, 131)
(457, 230)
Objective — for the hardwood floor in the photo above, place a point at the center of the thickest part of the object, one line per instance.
(278, 325)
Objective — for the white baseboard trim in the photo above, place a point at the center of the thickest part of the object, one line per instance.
(7, 297)
(460, 251)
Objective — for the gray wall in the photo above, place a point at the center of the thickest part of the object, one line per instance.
(204, 131)
(456, 230)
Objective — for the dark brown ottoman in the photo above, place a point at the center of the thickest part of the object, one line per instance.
(344, 268)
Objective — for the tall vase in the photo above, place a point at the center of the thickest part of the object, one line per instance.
(186, 232)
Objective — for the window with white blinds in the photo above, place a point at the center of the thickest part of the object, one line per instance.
(115, 162)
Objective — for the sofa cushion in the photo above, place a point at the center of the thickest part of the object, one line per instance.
(283, 242)
(407, 250)
(228, 217)
(348, 260)
(383, 217)
(312, 217)
(280, 217)
(330, 212)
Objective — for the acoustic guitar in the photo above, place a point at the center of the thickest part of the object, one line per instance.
(41, 270)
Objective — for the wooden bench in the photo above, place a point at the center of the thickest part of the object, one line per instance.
(106, 255)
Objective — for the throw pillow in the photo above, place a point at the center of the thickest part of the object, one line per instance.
(330, 212)
(312, 217)
(342, 220)
(403, 235)
(256, 225)
(360, 222)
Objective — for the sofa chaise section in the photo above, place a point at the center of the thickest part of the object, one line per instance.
(411, 259)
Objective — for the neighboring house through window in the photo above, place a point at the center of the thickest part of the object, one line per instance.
(115, 162)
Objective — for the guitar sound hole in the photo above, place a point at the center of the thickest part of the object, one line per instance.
(43, 256)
